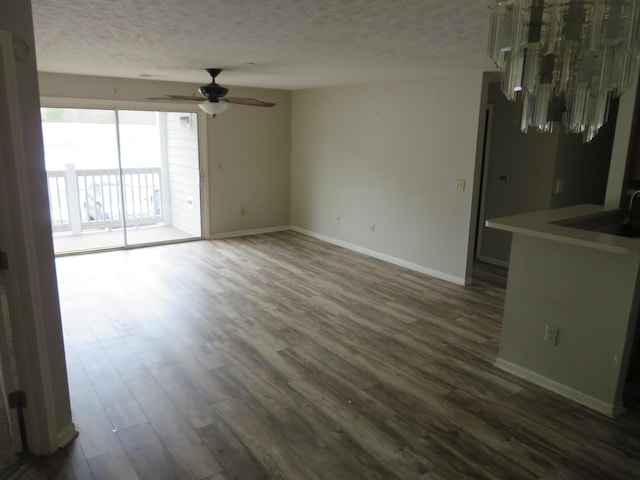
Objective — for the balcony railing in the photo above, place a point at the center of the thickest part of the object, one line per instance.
(82, 200)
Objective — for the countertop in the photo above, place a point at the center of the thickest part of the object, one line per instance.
(544, 224)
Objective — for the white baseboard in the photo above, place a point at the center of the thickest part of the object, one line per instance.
(67, 434)
(350, 246)
(243, 233)
(608, 409)
(387, 258)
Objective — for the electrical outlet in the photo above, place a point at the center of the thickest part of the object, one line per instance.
(338, 219)
(243, 212)
(551, 334)
(373, 228)
(459, 185)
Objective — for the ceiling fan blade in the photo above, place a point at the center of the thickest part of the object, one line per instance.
(248, 101)
(189, 98)
(252, 102)
(212, 93)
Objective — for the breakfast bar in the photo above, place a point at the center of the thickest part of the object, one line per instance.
(571, 303)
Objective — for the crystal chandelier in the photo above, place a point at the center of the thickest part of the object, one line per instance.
(566, 58)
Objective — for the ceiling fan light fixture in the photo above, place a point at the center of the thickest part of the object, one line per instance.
(213, 99)
(214, 108)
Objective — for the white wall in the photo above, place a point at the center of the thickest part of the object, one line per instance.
(533, 162)
(590, 296)
(389, 154)
(184, 173)
(33, 296)
(248, 147)
(250, 164)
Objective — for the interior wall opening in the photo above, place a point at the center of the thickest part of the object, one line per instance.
(535, 171)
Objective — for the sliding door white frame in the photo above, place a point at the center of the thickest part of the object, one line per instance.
(63, 102)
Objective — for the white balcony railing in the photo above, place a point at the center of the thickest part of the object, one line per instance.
(82, 200)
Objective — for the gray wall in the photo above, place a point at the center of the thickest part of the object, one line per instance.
(532, 163)
(526, 160)
(584, 167)
(620, 153)
(389, 154)
(250, 164)
(37, 329)
(248, 147)
(590, 296)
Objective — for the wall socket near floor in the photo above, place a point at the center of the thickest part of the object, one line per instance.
(551, 334)
(372, 227)
(459, 185)
(243, 212)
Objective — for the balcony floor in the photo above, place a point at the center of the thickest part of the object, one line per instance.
(66, 242)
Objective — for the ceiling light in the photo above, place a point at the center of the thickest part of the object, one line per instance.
(214, 108)
(568, 58)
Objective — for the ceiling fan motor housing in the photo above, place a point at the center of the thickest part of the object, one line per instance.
(213, 92)
(214, 96)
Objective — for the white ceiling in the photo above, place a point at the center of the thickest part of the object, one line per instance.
(287, 44)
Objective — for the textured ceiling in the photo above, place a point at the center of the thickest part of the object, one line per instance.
(288, 44)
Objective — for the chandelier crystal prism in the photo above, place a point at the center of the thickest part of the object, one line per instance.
(566, 58)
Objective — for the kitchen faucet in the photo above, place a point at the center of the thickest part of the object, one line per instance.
(628, 221)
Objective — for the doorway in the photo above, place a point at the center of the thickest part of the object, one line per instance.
(526, 172)
(121, 178)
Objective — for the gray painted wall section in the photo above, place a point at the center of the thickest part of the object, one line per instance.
(38, 340)
(519, 173)
(367, 156)
(589, 295)
(248, 148)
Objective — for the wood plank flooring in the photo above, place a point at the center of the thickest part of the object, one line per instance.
(283, 357)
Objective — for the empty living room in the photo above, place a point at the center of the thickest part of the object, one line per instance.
(319, 240)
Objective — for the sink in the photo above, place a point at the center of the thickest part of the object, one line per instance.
(617, 229)
(610, 223)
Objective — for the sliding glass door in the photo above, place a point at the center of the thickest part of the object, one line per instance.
(121, 177)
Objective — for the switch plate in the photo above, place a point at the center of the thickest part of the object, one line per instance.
(459, 185)
(551, 334)
(558, 187)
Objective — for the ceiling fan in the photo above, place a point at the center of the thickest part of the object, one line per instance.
(214, 95)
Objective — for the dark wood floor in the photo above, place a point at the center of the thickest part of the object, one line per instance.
(280, 356)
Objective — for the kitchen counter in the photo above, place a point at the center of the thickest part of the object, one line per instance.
(548, 224)
(582, 284)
